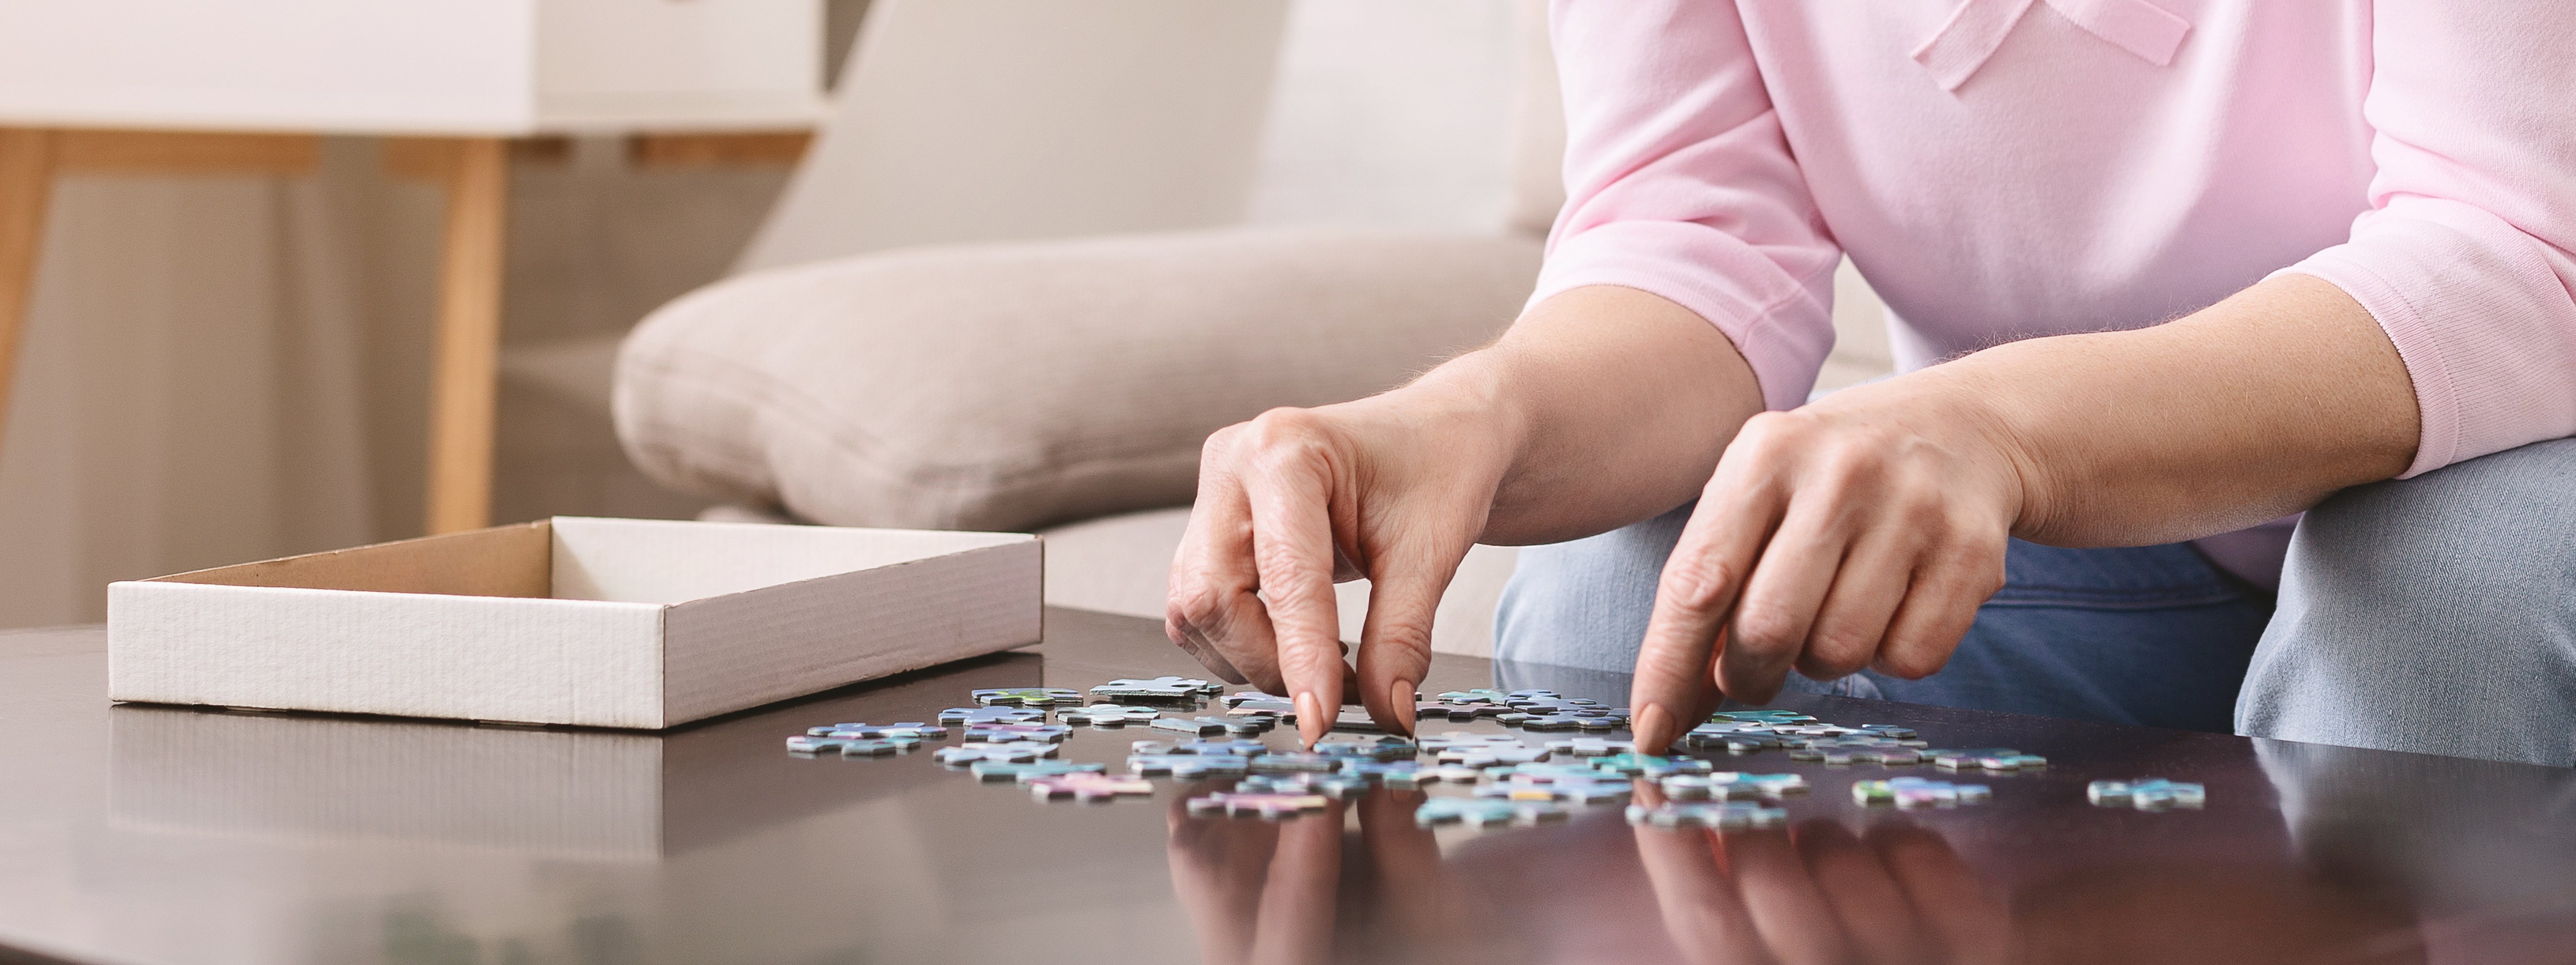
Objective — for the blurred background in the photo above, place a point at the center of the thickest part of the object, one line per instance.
(220, 367)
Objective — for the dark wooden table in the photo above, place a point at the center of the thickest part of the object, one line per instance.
(138, 834)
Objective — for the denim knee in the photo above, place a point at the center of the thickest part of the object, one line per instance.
(2435, 614)
(1585, 603)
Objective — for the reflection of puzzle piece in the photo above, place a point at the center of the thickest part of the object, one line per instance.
(1916, 792)
(1050, 733)
(1266, 805)
(1592, 747)
(1282, 762)
(973, 716)
(1087, 786)
(1107, 715)
(1239, 748)
(1649, 766)
(1731, 786)
(1722, 815)
(1400, 775)
(915, 730)
(1011, 752)
(1189, 766)
(1372, 748)
(1856, 750)
(1478, 812)
(1329, 785)
(1025, 696)
(2146, 794)
(1165, 687)
(1983, 758)
(1031, 771)
(849, 746)
(1594, 789)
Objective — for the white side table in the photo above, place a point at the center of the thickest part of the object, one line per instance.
(249, 85)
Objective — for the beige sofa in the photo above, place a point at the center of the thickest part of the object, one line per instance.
(1064, 386)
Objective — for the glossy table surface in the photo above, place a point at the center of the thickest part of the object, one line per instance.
(154, 834)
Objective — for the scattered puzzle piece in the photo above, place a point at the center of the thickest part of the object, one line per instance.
(1916, 792)
(2146, 794)
(915, 730)
(1460, 738)
(1166, 687)
(1400, 775)
(1087, 786)
(1493, 755)
(1772, 717)
(1031, 771)
(848, 746)
(1011, 752)
(1108, 715)
(1984, 758)
(1355, 718)
(1241, 697)
(1592, 747)
(1266, 805)
(1194, 725)
(1373, 748)
(1856, 750)
(1026, 696)
(1594, 789)
(1189, 767)
(1237, 747)
(976, 716)
(1282, 762)
(1649, 766)
(1335, 785)
(1731, 786)
(1479, 812)
(1479, 695)
(1050, 733)
(1722, 815)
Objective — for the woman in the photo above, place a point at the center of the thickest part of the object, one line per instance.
(2185, 269)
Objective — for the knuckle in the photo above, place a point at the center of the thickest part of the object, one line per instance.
(1767, 630)
(1695, 584)
(1913, 662)
(1194, 605)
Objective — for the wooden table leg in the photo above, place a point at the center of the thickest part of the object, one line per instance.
(26, 185)
(464, 380)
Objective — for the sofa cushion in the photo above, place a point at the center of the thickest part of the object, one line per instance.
(1012, 386)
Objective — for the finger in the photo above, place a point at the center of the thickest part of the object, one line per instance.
(1701, 911)
(1949, 585)
(1672, 691)
(1297, 899)
(1967, 922)
(1395, 642)
(1874, 577)
(1782, 597)
(1217, 869)
(1406, 858)
(1212, 603)
(1862, 893)
(1786, 907)
(1292, 551)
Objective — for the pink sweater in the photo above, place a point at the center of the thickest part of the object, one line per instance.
(2001, 169)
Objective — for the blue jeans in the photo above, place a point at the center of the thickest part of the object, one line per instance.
(2435, 614)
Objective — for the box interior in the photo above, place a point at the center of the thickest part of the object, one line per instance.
(611, 560)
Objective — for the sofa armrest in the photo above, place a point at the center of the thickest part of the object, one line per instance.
(1013, 386)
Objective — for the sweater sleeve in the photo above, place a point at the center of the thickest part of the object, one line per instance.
(2464, 256)
(1680, 183)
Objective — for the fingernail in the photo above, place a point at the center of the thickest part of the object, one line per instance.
(1312, 722)
(1400, 697)
(1654, 727)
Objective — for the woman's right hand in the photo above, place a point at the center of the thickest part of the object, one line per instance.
(1392, 488)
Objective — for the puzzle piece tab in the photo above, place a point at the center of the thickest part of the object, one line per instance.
(1388, 748)
(1030, 771)
(1283, 762)
(808, 746)
(1335, 785)
(1026, 697)
(1856, 750)
(1731, 786)
(2146, 794)
(1400, 775)
(1050, 733)
(976, 716)
(1649, 766)
(915, 730)
(1591, 747)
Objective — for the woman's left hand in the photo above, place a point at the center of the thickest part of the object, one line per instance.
(1863, 530)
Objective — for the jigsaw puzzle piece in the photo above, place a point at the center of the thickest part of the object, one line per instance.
(1389, 748)
(1189, 767)
(1479, 812)
(2146, 794)
(806, 745)
(1721, 815)
(1649, 766)
(1400, 775)
(1030, 771)
(1916, 792)
(1025, 696)
(1087, 786)
(1997, 759)
(978, 716)
(1283, 762)
(1166, 687)
(1265, 805)
(1108, 715)
(1051, 733)
(1014, 752)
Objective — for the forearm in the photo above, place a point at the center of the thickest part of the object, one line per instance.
(2251, 409)
(1611, 404)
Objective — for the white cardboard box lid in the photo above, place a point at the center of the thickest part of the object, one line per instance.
(602, 622)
